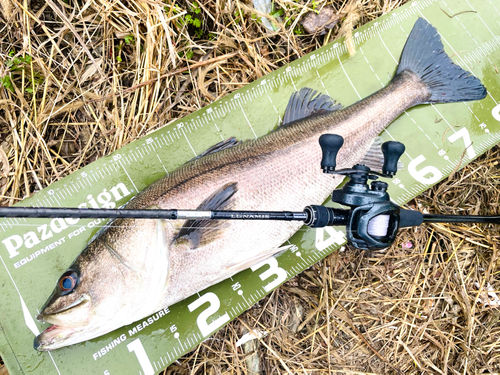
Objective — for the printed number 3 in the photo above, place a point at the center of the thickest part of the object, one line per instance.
(274, 269)
(202, 320)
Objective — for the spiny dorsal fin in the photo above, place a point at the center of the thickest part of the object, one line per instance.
(222, 145)
(308, 102)
(198, 232)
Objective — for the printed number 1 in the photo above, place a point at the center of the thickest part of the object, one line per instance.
(136, 347)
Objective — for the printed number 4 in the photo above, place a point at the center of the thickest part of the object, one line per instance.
(335, 237)
(202, 320)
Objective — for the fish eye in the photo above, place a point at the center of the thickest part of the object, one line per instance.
(68, 282)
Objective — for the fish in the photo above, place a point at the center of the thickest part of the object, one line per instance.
(134, 268)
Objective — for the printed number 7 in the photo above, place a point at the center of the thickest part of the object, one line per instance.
(464, 133)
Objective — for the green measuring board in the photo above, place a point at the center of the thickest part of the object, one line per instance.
(35, 252)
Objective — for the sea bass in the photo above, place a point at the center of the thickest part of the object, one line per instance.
(137, 267)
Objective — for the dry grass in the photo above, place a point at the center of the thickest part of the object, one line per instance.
(86, 78)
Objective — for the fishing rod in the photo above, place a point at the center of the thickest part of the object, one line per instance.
(372, 220)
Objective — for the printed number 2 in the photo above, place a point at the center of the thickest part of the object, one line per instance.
(202, 320)
(274, 269)
(136, 347)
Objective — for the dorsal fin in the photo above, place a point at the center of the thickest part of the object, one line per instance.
(198, 232)
(308, 102)
(222, 145)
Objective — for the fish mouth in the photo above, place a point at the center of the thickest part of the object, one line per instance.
(49, 318)
(62, 330)
(54, 337)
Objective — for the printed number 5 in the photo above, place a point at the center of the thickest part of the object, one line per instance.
(274, 269)
(202, 320)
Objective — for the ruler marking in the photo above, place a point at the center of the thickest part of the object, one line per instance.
(165, 169)
(130, 178)
(248, 122)
(189, 143)
(219, 131)
(342, 66)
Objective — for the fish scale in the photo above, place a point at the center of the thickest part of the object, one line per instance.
(351, 79)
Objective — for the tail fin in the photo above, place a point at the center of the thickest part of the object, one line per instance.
(424, 55)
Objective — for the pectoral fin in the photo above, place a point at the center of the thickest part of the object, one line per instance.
(201, 232)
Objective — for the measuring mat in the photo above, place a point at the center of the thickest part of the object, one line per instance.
(35, 252)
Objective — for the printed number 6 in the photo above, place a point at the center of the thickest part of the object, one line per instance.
(202, 320)
(422, 175)
(274, 269)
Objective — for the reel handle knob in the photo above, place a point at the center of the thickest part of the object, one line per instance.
(392, 152)
(330, 146)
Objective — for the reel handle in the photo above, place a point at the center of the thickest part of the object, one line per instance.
(392, 151)
(330, 146)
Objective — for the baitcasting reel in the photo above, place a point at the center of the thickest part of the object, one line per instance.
(372, 220)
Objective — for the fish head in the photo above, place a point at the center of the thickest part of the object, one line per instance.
(68, 309)
(106, 287)
(80, 308)
(68, 305)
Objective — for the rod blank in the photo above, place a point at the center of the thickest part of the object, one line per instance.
(461, 219)
(105, 213)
